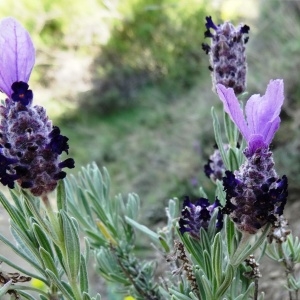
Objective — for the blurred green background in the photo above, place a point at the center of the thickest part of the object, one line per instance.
(128, 83)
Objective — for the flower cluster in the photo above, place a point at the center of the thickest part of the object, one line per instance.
(227, 54)
(198, 215)
(30, 146)
(255, 194)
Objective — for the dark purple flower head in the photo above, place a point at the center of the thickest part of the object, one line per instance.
(255, 195)
(262, 114)
(198, 215)
(30, 144)
(227, 54)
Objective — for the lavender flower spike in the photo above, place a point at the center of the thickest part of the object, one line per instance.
(17, 54)
(30, 146)
(262, 114)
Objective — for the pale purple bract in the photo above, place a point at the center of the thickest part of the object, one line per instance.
(17, 54)
(262, 114)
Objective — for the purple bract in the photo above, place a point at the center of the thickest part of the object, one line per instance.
(262, 114)
(17, 54)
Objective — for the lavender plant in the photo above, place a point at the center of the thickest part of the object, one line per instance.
(211, 250)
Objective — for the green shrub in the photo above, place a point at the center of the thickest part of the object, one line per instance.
(157, 42)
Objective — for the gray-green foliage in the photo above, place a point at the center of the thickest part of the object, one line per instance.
(49, 243)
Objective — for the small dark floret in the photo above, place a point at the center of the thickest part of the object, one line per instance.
(58, 143)
(210, 24)
(21, 93)
(68, 163)
(205, 48)
(245, 29)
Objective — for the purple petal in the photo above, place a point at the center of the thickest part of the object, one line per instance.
(251, 113)
(17, 54)
(270, 130)
(233, 108)
(263, 112)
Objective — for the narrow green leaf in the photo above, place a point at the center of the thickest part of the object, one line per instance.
(173, 208)
(83, 275)
(5, 288)
(60, 257)
(36, 213)
(199, 273)
(229, 275)
(26, 295)
(143, 229)
(204, 240)
(98, 297)
(14, 214)
(61, 196)
(178, 295)
(72, 245)
(132, 206)
(208, 266)
(42, 238)
(194, 247)
(206, 287)
(48, 261)
(233, 159)
(25, 249)
(217, 252)
(87, 249)
(230, 130)
(217, 131)
(230, 236)
(164, 244)
(86, 296)
(106, 181)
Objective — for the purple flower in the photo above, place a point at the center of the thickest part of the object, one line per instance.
(198, 215)
(262, 114)
(227, 54)
(30, 144)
